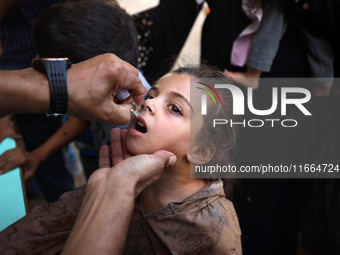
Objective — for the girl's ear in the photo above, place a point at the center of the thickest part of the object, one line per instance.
(200, 154)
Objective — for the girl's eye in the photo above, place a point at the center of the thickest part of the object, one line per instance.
(148, 97)
(175, 109)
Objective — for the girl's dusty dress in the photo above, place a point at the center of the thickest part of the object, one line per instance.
(204, 223)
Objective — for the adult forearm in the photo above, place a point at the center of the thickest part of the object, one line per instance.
(102, 223)
(24, 90)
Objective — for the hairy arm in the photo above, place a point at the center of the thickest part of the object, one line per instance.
(24, 90)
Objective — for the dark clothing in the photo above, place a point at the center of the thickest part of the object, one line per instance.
(52, 175)
(320, 230)
(222, 26)
(268, 210)
(162, 32)
(16, 30)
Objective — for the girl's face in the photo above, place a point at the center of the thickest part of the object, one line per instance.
(164, 122)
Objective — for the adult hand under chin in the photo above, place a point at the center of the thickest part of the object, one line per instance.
(130, 172)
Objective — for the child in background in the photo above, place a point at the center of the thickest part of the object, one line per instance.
(78, 30)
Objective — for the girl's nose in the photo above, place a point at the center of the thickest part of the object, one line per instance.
(150, 106)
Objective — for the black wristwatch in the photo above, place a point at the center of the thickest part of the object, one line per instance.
(55, 69)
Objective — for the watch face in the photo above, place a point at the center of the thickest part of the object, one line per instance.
(37, 63)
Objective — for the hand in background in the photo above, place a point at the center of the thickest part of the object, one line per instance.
(18, 157)
(6, 129)
(249, 78)
(322, 89)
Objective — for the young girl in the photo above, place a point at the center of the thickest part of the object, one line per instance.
(178, 214)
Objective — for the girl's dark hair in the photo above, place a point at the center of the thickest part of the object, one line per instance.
(84, 29)
(223, 137)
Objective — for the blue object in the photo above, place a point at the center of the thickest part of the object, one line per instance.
(143, 80)
(12, 191)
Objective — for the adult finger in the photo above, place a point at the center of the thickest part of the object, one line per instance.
(126, 152)
(104, 157)
(168, 158)
(133, 84)
(118, 114)
(116, 146)
(123, 76)
(146, 169)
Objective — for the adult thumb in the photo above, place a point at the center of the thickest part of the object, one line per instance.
(121, 114)
(169, 159)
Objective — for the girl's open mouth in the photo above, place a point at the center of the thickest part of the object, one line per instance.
(140, 125)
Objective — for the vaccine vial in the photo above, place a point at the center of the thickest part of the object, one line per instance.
(125, 97)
